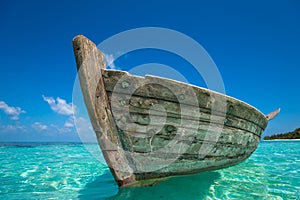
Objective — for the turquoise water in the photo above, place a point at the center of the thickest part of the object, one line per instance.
(69, 171)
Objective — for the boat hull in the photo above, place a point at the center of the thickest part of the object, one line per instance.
(151, 128)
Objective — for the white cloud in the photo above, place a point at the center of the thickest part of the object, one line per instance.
(13, 112)
(70, 122)
(39, 126)
(59, 105)
(83, 124)
(68, 126)
(85, 130)
(12, 128)
(60, 129)
(109, 58)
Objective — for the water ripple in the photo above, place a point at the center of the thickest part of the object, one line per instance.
(68, 171)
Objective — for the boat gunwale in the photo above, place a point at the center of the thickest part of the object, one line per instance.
(188, 84)
(263, 116)
(217, 113)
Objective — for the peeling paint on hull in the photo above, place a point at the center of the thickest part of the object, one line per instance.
(151, 128)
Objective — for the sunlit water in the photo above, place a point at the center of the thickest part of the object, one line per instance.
(69, 171)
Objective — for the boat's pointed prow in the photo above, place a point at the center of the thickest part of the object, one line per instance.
(80, 39)
(273, 114)
(86, 49)
(90, 61)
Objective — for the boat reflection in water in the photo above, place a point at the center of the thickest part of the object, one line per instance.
(183, 187)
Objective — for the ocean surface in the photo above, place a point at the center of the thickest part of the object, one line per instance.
(70, 171)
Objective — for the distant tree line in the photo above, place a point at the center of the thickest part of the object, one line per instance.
(290, 135)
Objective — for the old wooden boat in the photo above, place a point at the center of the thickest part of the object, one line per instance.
(151, 128)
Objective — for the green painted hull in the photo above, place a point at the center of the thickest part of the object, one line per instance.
(151, 128)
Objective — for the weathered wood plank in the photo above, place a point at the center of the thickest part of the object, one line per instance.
(164, 89)
(142, 111)
(219, 151)
(89, 62)
(186, 167)
(192, 151)
(142, 121)
(143, 142)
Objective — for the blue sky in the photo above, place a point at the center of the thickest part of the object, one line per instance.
(255, 45)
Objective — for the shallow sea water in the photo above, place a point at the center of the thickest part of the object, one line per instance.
(69, 171)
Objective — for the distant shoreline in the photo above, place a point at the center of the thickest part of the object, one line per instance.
(283, 140)
(290, 136)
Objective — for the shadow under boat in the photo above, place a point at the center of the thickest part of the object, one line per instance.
(183, 187)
